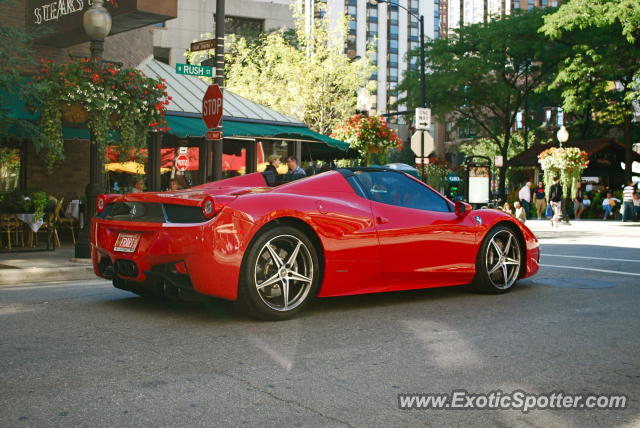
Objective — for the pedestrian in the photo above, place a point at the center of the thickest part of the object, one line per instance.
(138, 186)
(519, 212)
(609, 205)
(507, 208)
(627, 201)
(525, 197)
(295, 172)
(636, 206)
(540, 199)
(555, 200)
(274, 163)
(173, 185)
(578, 205)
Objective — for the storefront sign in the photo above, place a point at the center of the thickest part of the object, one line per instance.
(63, 18)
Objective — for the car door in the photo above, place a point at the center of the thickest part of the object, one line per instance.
(420, 236)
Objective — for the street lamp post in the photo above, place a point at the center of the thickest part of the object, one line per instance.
(563, 136)
(423, 84)
(97, 24)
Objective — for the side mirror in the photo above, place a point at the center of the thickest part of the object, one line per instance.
(462, 208)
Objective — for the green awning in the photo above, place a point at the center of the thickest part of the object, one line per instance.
(194, 127)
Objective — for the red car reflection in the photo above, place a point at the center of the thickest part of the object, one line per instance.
(275, 247)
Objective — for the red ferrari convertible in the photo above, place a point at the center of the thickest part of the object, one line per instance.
(273, 247)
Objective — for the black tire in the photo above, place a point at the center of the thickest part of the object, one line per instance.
(491, 264)
(259, 267)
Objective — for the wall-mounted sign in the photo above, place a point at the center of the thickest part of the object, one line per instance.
(64, 17)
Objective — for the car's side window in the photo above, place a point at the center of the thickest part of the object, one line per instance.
(397, 189)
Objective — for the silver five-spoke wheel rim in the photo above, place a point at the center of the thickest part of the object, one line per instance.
(503, 259)
(283, 272)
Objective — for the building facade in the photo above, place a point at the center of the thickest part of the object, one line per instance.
(387, 32)
(475, 11)
(171, 39)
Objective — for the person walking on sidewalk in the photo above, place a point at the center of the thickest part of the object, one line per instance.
(627, 201)
(555, 200)
(540, 199)
(525, 197)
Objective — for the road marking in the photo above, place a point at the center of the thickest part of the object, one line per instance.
(593, 270)
(592, 258)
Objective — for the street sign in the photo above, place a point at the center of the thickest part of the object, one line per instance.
(498, 160)
(194, 70)
(182, 162)
(203, 45)
(423, 118)
(418, 148)
(212, 106)
(213, 135)
(183, 150)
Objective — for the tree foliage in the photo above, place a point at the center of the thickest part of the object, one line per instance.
(600, 78)
(484, 73)
(16, 56)
(303, 74)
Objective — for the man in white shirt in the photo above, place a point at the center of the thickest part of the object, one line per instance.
(627, 201)
(525, 197)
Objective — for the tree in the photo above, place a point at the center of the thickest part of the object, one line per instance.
(600, 77)
(16, 56)
(304, 74)
(483, 74)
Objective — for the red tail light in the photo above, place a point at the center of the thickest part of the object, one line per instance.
(181, 267)
(101, 204)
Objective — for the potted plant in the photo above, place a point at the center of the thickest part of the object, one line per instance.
(567, 163)
(102, 95)
(369, 135)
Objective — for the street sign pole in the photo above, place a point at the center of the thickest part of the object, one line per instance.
(216, 162)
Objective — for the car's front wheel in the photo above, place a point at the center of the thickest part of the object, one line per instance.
(499, 261)
(280, 274)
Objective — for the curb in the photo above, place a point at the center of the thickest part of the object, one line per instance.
(35, 274)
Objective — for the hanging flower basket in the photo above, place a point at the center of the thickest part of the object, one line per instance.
(566, 163)
(369, 135)
(374, 149)
(105, 97)
(74, 113)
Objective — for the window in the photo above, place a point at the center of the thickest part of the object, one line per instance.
(162, 54)
(394, 188)
(243, 26)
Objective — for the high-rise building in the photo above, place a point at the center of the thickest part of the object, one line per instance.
(476, 11)
(386, 31)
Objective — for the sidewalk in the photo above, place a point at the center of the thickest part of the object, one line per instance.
(43, 266)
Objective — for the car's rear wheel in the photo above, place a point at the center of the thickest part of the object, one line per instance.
(499, 261)
(280, 274)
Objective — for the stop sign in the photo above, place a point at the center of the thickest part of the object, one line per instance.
(212, 106)
(182, 162)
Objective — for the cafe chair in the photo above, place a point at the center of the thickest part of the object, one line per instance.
(68, 223)
(10, 225)
(52, 221)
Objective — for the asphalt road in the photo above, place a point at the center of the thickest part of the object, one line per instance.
(85, 354)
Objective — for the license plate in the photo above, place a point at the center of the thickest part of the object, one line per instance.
(126, 242)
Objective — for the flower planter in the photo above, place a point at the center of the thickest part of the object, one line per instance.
(74, 113)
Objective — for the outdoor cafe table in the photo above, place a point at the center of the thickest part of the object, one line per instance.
(34, 225)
